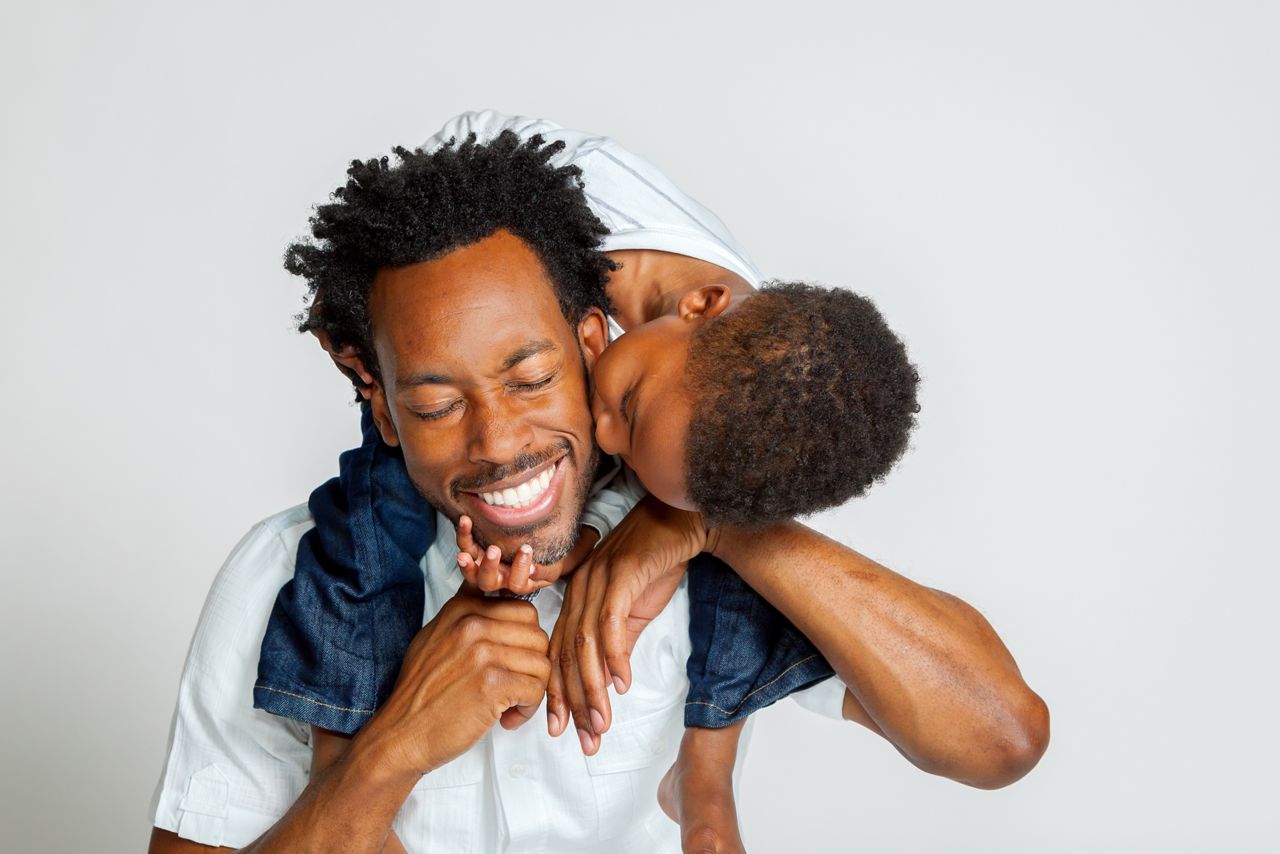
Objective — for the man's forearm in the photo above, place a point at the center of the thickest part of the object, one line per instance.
(349, 807)
(926, 667)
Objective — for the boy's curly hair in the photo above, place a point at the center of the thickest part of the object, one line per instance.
(426, 204)
(804, 398)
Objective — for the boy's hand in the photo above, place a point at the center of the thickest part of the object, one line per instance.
(344, 359)
(612, 596)
(486, 570)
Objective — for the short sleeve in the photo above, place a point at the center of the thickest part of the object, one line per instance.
(826, 698)
(232, 770)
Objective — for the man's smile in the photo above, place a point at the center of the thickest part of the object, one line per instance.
(523, 499)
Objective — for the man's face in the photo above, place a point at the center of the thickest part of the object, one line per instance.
(484, 388)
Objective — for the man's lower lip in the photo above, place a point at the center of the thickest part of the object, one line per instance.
(514, 517)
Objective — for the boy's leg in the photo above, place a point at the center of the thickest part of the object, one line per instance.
(746, 655)
(697, 791)
(339, 628)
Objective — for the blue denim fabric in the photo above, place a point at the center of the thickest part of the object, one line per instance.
(340, 628)
(746, 655)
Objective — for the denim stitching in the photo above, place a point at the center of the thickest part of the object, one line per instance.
(316, 702)
(756, 691)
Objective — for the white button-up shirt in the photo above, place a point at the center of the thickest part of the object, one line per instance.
(232, 770)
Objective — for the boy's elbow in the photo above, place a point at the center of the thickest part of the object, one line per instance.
(1015, 748)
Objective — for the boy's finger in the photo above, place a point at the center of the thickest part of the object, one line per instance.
(469, 588)
(466, 539)
(518, 580)
(614, 613)
(557, 713)
(468, 569)
(591, 661)
(490, 576)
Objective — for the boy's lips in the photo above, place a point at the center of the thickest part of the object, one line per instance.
(537, 490)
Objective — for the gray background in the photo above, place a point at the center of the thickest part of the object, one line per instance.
(1069, 210)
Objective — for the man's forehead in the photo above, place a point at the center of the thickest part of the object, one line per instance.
(496, 271)
(495, 292)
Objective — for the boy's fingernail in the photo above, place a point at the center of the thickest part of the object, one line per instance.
(585, 739)
(492, 552)
(618, 685)
(526, 549)
(597, 721)
(553, 723)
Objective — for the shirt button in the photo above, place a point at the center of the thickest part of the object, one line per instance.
(519, 769)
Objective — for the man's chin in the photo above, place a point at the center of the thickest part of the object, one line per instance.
(552, 540)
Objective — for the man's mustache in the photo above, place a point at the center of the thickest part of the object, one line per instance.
(522, 463)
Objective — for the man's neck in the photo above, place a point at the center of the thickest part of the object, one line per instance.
(649, 283)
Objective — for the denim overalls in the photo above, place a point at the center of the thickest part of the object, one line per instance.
(339, 630)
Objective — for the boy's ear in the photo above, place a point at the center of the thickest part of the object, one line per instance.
(382, 414)
(706, 301)
(593, 336)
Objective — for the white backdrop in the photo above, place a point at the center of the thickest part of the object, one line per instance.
(1069, 210)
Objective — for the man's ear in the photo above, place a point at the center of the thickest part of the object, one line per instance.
(382, 414)
(593, 336)
(706, 301)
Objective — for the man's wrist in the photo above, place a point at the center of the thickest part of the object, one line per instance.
(374, 762)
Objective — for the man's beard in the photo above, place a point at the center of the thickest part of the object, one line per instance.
(555, 545)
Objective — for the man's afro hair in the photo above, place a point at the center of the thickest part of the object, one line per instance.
(426, 204)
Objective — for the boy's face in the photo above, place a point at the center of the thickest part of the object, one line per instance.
(484, 388)
(642, 405)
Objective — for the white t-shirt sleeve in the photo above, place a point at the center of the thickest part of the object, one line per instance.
(232, 770)
(826, 698)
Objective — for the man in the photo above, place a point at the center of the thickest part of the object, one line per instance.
(487, 305)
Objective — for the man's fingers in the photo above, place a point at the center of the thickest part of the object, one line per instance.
(517, 716)
(476, 629)
(521, 690)
(521, 660)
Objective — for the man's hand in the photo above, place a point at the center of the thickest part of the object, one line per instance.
(609, 600)
(480, 661)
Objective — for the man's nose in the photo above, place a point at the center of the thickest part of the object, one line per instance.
(499, 432)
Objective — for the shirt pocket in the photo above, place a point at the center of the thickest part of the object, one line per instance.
(631, 745)
(445, 808)
(625, 772)
(463, 771)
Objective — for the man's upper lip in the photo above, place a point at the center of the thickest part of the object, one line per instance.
(515, 479)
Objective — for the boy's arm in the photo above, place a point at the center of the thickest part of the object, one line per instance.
(923, 668)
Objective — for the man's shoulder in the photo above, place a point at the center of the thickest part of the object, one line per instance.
(245, 588)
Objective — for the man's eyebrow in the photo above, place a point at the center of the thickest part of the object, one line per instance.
(422, 378)
(528, 351)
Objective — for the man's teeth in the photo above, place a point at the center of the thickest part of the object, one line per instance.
(522, 495)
